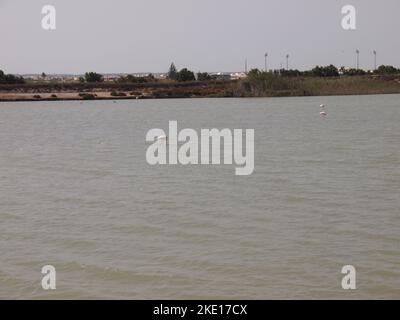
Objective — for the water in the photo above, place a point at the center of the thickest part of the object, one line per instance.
(77, 193)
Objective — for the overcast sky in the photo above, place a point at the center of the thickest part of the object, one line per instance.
(203, 35)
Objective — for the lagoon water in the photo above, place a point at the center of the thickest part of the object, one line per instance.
(76, 192)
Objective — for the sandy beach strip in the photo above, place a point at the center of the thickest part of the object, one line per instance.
(61, 96)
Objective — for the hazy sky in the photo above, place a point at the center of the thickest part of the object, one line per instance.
(204, 35)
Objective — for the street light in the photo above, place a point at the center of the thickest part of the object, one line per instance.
(358, 59)
(266, 62)
(374, 59)
(287, 62)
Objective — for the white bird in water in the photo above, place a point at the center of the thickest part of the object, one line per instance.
(323, 112)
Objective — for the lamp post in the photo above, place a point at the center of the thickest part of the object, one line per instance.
(266, 62)
(374, 59)
(358, 58)
(287, 62)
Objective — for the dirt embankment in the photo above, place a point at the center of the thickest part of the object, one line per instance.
(102, 91)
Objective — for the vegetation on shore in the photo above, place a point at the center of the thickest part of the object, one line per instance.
(326, 80)
(321, 81)
(270, 85)
(10, 78)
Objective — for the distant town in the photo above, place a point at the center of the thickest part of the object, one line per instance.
(116, 76)
(226, 76)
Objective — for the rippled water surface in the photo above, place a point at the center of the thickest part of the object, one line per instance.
(76, 192)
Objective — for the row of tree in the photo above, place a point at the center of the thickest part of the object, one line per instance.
(133, 79)
(385, 70)
(180, 76)
(173, 74)
(10, 78)
(185, 74)
(328, 71)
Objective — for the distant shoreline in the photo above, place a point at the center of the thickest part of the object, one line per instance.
(113, 91)
(274, 87)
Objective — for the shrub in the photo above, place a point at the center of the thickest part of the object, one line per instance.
(87, 96)
(117, 94)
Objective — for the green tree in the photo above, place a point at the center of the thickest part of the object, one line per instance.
(387, 70)
(254, 73)
(10, 79)
(328, 71)
(354, 72)
(203, 76)
(185, 75)
(173, 72)
(290, 73)
(93, 77)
